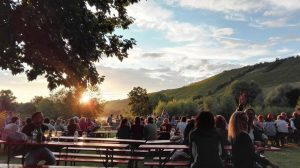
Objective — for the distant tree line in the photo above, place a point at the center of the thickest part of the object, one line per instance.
(63, 103)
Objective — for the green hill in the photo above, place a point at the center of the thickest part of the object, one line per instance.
(267, 75)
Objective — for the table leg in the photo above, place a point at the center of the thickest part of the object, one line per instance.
(8, 154)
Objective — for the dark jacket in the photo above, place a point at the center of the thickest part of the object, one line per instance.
(243, 153)
(204, 146)
(123, 132)
(137, 131)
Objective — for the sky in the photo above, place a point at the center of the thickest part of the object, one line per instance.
(184, 41)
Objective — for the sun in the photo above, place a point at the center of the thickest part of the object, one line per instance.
(85, 98)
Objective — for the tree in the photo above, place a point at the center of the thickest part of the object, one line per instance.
(7, 100)
(138, 101)
(155, 98)
(284, 95)
(62, 40)
(248, 90)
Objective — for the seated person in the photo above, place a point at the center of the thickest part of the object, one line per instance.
(37, 154)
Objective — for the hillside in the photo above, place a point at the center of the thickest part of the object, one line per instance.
(267, 75)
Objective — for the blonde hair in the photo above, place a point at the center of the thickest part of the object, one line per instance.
(238, 123)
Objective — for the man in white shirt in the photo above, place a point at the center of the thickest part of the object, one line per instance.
(181, 126)
(282, 129)
(11, 128)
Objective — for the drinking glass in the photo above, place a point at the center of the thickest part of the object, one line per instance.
(58, 134)
(53, 134)
(46, 134)
(84, 135)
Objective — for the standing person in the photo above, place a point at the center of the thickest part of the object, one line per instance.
(188, 129)
(243, 151)
(150, 130)
(137, 129)
(205, 143)
(181, 126)
(282, 130)
(37, 154)
(123, 130)
(110, 120)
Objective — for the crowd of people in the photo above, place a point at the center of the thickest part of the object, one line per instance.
(206, 134)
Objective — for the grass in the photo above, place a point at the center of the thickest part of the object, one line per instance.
(286, 158)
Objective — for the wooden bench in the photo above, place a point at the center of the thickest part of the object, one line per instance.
(84, 155)
(138, 151)
(169, 164)
(47, 166)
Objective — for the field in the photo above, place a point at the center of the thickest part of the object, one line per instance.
(287, 158)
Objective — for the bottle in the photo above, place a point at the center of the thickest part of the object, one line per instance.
(75, 136)
(34, 135)
(39, 135)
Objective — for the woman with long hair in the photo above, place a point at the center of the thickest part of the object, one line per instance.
(124, 130)
(205, 143)
(243, 151)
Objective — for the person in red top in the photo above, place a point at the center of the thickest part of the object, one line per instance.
(83, 124)
(165, 129)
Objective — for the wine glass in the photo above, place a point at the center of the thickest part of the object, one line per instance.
(84, 135)
(53, 134)
(46, 134)
(58, 134)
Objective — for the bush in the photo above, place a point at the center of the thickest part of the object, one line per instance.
(177, 108)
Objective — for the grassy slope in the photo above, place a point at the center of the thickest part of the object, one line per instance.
(267, 75)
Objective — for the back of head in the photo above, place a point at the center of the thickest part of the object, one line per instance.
(137, 121)
(14, 119)
(183, 119)
(238, 123)
(220, 122)
(205, 120)
(150, 120)
(47, 120)
(123, 123)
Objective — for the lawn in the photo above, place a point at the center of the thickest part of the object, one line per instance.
(289, 157)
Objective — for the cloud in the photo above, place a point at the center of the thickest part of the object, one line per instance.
(235, 17)
(153, 55)
(221, 5)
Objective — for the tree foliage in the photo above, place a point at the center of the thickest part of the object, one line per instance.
(155, 98)
(62, 40)
(177, 108)
(250, 89)
(283, 95)
(7, 100)
(138, 101)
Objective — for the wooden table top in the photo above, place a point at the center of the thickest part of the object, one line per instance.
(129, 141)
(159, 142)
(45, 166)
(272, 148)
(165, 146)
(69, 144)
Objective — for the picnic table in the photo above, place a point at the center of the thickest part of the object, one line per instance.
(160, 148)
(104, 133)
(159, 142)
(106, 140)
(107, 146)
(260, 148)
